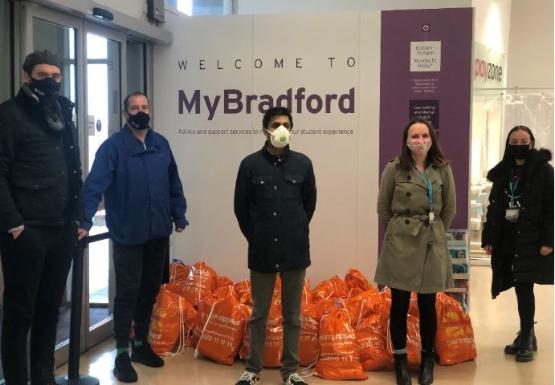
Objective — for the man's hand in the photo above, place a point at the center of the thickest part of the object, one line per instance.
(545, 250)
(488, 249)
(16, 233)
(179, 229)
(82, 233)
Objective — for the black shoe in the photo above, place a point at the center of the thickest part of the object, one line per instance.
(248, 378)
(513, 348)
(524, 355)
(294, 379)
(144, 355)
(426, 376)
(123, 370)
(402, 369)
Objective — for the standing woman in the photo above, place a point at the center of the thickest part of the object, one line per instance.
(416, 203)
(518, 232)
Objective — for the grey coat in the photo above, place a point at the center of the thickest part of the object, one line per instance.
(414, 255)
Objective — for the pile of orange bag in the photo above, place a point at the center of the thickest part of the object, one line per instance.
(344, 323)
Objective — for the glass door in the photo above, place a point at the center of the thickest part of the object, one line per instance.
(103, 110)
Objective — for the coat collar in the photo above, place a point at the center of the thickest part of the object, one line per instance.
(503, 168)
(275, 158)
(134, 146)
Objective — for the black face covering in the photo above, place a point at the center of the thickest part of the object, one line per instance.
(139, 121)
(44, 88)
(519, 151)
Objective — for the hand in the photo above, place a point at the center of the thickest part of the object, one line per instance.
(545, 250)
(179, 229)
(16, 233)
(82, 233)
(488, 249)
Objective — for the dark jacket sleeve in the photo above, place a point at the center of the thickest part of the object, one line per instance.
(309, 192)
(9, 214)
(241, 199)
(547, 231)
(178, 204)
(97, 182)
(487, 235)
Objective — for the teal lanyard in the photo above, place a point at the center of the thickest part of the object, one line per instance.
(512, 193)
(426, 179)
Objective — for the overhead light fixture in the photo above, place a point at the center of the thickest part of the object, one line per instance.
(102, 14)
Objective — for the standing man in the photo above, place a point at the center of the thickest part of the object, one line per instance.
(275, 197)
(136, 172)
(40, 181)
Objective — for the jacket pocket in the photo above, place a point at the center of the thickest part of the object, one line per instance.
(293, 186)
(262, 187)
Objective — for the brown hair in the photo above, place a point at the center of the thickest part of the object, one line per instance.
(435, 155)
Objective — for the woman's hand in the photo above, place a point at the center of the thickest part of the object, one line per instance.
(488, 249)
(545, 250)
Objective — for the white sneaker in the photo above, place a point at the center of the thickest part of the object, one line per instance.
(294, 379)
(248, 378)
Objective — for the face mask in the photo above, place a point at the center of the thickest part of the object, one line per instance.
(139, 121)
(280, 137)
(419, 147)
(519, 151)
(45, 87)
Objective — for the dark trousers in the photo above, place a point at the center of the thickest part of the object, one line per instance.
(139, 270)
(262, 288)
(400, 301)
(35, 268)
(526, 308)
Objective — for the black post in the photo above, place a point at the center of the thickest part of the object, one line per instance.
(73, 377)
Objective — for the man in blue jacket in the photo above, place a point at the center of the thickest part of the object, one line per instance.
(136, 172)
(275, 198)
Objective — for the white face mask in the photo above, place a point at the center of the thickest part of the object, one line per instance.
(280, 137)
(422, 147)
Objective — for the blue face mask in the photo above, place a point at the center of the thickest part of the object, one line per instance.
(47, 87)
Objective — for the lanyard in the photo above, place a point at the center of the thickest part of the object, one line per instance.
(512, 193)
(426, 179)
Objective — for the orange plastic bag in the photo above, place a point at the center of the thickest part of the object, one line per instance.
(355, 278)
(365, 304)
(324, 290)
(371, 335)
(224, 330)
(308, 336)
(201, 280)
(179, 271)
(455, 336)
(339, 356)
(166, 325)
(340, 288)
(203, 312)
(307, 293)
(222, 280)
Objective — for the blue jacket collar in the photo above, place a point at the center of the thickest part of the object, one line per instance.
(134, 146)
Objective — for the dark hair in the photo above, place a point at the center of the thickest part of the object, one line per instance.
(435, 155)
(506, 155)
(276, 111)
(132, 95)
(41, 57)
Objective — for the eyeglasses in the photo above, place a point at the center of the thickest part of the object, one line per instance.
(44, 75)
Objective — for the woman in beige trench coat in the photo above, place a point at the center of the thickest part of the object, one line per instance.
(416, 204)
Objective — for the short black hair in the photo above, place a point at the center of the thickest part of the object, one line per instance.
(132, 95)
(42, 57)
(276, 111)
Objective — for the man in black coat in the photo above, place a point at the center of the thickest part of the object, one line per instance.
(275, 197)
(40, 181)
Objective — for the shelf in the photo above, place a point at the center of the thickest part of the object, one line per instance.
(461, 276)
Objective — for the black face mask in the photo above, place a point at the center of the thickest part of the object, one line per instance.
(44, 88)
(139, 121)
(519, 151)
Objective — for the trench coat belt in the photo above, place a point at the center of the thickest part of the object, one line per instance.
(423, 219)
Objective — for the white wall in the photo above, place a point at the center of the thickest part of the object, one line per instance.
(300, 6)
(492, 23)
(133, 8)
(530, 61)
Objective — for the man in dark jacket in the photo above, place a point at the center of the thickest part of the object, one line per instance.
(136, 172)
(275, 197)
(40, 181)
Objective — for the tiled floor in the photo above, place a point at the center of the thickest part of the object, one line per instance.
(495, 323)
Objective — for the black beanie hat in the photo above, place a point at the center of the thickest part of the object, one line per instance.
(41, 57)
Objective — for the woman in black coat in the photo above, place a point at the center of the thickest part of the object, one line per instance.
(518, 232)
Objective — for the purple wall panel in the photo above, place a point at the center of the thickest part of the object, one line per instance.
(452, 86)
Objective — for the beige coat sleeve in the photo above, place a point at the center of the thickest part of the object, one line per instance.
(385, 196)
(448, 197)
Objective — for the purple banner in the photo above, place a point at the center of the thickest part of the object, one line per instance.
(427, 55)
